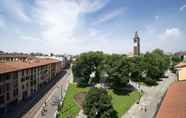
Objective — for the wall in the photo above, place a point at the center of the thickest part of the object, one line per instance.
(182, 73)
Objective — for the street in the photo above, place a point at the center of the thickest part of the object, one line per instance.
(47, 106)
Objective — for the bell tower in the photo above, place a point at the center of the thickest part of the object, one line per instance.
(136, 41)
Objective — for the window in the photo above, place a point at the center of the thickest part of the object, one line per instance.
(1, 77)
(26, 84)
(15, 75)
(7, 76)
(15, 93)
(22, 79)
(7, 86)
(31, 77)
(22, 72)
(15, 84)
(31, 83)
(2, 101)
(34, 82)
(27, 72)
(23, 86)
(7, 96)
(1, 90)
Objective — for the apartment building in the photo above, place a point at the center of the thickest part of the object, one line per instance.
(22, 79)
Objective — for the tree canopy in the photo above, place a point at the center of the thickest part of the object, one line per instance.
(156, 63)
(85, 65)
(97, 104)
(116, 70)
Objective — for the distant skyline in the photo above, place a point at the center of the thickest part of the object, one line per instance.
(75, 26)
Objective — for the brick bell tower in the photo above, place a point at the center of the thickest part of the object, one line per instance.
(136, 40)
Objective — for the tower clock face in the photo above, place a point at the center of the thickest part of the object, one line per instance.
(135, 44)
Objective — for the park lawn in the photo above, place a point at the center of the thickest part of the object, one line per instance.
(121, 103)
(70, 106)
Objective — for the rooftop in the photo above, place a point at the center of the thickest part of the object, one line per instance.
(181, 53)
(14, 55)
(16, 66)
(181, 64)
(174, 102)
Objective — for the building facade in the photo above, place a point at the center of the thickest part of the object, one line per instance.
(14, 57)
(181, 71)
(20, 80)
(136, 47)
(65, 61)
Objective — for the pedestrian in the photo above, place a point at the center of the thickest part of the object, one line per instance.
(45, 103)
(145, 109)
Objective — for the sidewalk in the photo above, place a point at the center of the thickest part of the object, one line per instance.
(52, 100)
(150, 100)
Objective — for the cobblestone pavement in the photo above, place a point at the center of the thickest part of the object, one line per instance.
(150, 100)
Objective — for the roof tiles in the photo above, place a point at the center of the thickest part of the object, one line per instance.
(15, 66)
(174, 102)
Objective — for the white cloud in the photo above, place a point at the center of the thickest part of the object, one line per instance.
(100, 41)
(58, 21)
(169, 39)
(15, 9)
(91, 5)
(57, 18)
(182, 7)
(109, 16)
(171, 34)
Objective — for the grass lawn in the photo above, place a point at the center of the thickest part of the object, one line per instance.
(121, 103)
(70, 107)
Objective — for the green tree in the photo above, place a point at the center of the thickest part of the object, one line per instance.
(97, 104)
(174, 60)
(85, 65)
(156, 63)
(163, 59)
(136, 68)
(118, 71)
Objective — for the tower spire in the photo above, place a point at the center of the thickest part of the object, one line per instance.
(136, 34)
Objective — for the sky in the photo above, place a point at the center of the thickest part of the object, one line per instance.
(76, 26)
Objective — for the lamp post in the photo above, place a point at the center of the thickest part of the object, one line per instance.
(61, 91)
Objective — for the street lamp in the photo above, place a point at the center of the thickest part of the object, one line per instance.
(61, 91)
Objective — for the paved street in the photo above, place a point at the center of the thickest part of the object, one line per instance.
(150, 100)
(50, 100)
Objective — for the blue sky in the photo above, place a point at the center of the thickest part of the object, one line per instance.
(75, 26)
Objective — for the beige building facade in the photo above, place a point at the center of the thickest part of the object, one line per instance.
(19, 80)
(181, 71)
